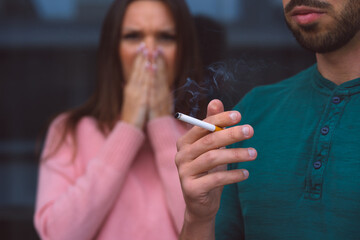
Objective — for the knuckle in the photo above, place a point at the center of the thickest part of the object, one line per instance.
(234, 177)
(178, 159)
(210, 157)
(182, 172)
(180, 143)
(218, 178)
(234, 133)
(186, 151)
(182, 155)
(189, 188)
(208, 139)
(237, 154)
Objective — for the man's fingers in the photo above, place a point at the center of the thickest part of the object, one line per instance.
(214, 107)
(223, 119)
(212, 159)
(219, 179)
(222, 138)
(215, 140)
(211, 181)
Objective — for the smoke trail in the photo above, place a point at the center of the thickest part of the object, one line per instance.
(196, 92)
(226, 80)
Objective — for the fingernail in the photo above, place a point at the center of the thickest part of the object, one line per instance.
(252, 152)
(245, 173)
(141, 47)
(147, 65)
(145, 52)
(246, 131)
(233, 116)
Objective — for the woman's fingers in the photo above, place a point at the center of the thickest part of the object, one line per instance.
(139, 68)
(136, 92)
(159, 67)
(161, 100)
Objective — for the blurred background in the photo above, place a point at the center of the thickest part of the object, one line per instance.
(47, 65)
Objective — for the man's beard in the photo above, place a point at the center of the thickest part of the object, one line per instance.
(345, 27)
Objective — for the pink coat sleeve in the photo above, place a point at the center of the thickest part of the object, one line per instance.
(163, 133)
(72, 204)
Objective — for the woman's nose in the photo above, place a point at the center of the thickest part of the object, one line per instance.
(151, 45)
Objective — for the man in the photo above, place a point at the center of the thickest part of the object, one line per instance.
(304, 183)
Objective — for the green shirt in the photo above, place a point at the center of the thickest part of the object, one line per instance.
(305, 183)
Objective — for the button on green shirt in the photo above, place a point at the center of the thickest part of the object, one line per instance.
(305, 183)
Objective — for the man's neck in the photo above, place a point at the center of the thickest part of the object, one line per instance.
(343, 64)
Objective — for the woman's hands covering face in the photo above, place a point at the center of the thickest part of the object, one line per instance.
(147, 93)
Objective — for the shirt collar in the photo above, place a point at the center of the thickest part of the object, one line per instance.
(348, 88)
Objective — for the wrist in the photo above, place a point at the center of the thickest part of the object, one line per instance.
(195, 228)
(138, 123)
(191, 218)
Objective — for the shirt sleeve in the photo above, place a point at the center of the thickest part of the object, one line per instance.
(163, 133)
(70, 205)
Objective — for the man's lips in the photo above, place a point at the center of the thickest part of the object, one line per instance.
(306, 15)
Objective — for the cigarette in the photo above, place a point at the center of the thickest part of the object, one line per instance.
(197, 122)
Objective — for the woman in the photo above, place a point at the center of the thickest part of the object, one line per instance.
(107, 169)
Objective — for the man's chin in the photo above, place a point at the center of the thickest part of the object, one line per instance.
(319, 45)
(311, 38)
(329, 34)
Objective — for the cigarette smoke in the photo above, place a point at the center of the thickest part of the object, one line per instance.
(196, 93)
(226, 80)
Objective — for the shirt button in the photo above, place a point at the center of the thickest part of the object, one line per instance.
(336, 100)
(325, 130)
(317, 164)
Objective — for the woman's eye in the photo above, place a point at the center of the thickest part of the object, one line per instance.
(167, 37)
(131, 36)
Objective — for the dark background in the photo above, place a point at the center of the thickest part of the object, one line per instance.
(47, 65)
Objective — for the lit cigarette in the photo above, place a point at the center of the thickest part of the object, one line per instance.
(197, 122)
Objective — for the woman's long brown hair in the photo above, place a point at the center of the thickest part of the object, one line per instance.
(106, 102)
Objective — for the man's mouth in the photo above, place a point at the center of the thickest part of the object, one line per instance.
(303, 15)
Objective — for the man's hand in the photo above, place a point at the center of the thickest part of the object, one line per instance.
(201, 162)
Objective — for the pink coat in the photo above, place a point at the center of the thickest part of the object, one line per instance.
(123, 186)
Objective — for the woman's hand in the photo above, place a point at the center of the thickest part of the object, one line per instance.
(136, 92)
(160, 97)
(147, 93)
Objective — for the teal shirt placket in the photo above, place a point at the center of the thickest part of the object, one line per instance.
(322, 143)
